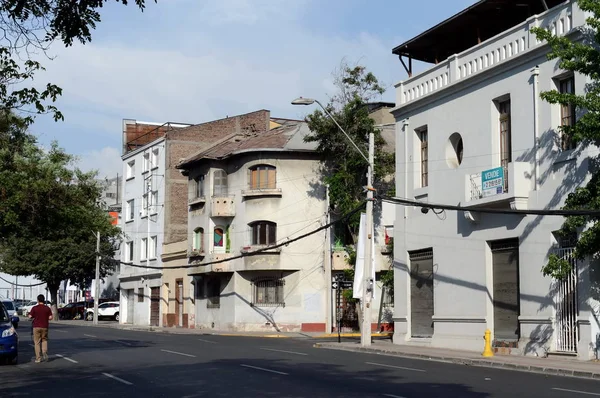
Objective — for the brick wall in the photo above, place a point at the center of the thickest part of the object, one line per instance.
(185, 142)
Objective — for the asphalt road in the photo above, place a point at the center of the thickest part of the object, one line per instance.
(98, 362)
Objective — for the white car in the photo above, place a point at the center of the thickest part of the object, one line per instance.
(10, 307)
(26, 308)
(110, 309)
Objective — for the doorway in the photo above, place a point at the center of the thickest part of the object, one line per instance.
(421, 293)
(130, 305)
(505, 264)
(154, 306)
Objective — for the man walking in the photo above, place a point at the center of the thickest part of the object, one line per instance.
(41, 315)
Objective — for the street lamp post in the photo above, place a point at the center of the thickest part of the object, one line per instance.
(368, 283)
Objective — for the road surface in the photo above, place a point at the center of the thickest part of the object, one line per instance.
(100, 362)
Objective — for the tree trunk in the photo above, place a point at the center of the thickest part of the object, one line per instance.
(53, 289)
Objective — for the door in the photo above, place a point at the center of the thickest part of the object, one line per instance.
(421, 293)
(505, 262)
(179, 301)
(566, 305)
(130, 305)
(154, 305)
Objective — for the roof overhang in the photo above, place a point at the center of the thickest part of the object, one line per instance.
(473, 25)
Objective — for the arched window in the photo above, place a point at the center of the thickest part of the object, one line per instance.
(262, 177)
(219, 239)
(220, 183)
(198, 243)
(263, 233)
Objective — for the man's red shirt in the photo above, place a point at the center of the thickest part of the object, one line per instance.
(40, 314)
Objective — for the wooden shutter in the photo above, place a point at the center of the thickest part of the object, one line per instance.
(271, 178)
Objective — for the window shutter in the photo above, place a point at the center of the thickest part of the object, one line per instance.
(271, 178)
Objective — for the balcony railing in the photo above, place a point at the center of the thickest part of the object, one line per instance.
(510, 184)
(223, 206)
(492, 52)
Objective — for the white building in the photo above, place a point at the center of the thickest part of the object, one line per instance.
(473, 131)
(142, 221)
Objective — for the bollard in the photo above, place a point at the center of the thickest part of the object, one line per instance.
(487, 350)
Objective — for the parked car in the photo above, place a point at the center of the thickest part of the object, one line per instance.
(9, 339)
(26, 308)
(76, 310)
(11, 310)
(110, 309)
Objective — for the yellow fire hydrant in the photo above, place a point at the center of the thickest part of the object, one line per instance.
(487, 350)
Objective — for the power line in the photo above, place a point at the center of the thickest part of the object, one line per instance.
(258, 251)
(436, 206)
(19, 285)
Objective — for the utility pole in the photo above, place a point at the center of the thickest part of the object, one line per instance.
(365, 335)
(97, 294)
(148, 196)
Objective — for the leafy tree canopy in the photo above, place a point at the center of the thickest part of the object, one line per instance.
(29, 27)
(580, 56)
(49, 212)
(344, 170)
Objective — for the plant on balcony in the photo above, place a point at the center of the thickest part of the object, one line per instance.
(580, 57)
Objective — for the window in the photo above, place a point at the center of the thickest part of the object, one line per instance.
(268, 292)
(130, 209)
(131, 169)
(389, 234)
(146, 162)
(213, 287)
(200, 187)
(220, 183)
(262, 177)
(424, 156)
(140, 295)
(145, 207)
(154, 163)
(129, 251)
(264, 233)
(153, 247)
(567, 114)
(154, 202)
(198, 244)
(218, 238)
(505, 134)
(144, 249)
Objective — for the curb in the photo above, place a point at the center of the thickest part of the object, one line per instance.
(331, 335)
(470, 362)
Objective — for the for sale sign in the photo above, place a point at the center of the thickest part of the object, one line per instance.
(492, 181)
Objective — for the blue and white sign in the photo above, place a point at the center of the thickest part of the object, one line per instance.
(492, 181)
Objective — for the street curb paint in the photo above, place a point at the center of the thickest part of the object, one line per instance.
(331, 335)
(469, 362)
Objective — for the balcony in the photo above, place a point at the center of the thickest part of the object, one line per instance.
(258, 192)
(223, 206)
(499, 187)
(223, 266)
(493, 52)
(196, 200)
(339, 260)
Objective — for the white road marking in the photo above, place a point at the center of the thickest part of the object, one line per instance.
(59, 331)
(395, 367)
(90, 335)
(577, 392)
(208, 341)
(123, 342)
(264, 370)
(287, 352)
(68, 359)
(392, 396)
(117, 379)
(31, 345)
(179, 353)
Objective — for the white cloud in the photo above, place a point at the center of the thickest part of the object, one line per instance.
(106, 160)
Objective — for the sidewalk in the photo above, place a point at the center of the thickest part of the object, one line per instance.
(557, 367)
(177, 330)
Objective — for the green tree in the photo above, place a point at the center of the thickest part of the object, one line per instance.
(29, 27)
(343, 169)
(581, 56)
(50, 213)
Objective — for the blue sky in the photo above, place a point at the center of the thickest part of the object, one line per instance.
(197, 60)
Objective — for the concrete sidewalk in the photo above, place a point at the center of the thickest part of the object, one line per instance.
(558, 367)
(177, 330)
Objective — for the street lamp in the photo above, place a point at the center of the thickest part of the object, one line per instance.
(368, 283)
